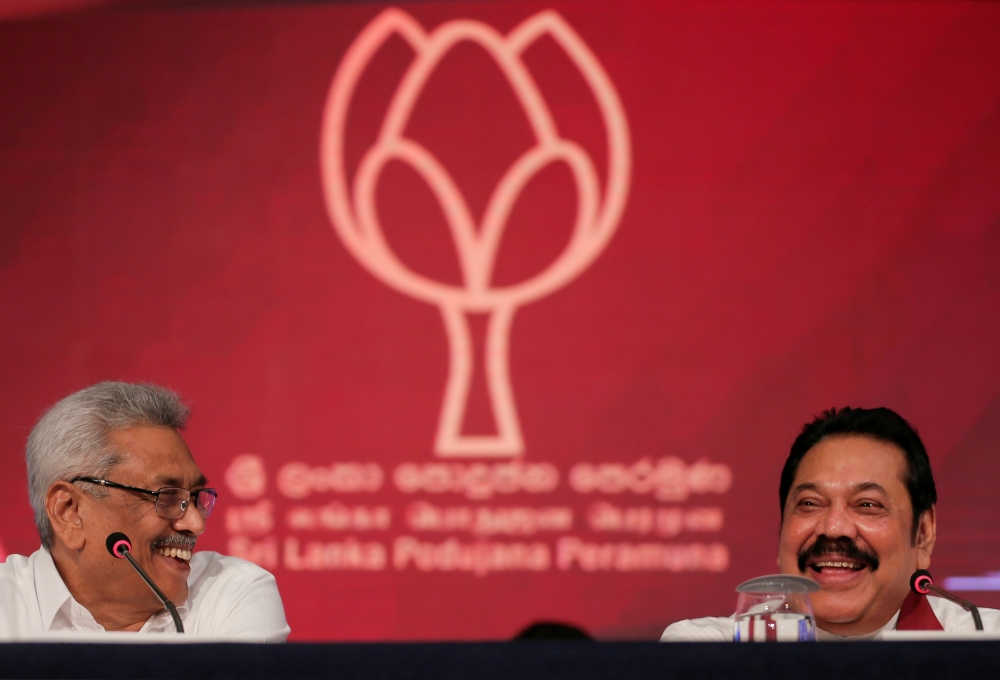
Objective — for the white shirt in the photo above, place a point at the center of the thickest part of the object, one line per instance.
(953, 618)
(227, 597)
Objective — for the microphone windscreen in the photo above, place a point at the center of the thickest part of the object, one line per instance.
(118, 544)
(920, 580)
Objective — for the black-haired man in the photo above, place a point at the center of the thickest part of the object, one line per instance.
(858, 517)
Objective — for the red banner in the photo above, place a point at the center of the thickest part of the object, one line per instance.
(496, 312)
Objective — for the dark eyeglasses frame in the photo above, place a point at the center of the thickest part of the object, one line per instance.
(196, 495)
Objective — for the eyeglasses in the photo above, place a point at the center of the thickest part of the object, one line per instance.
(171, 502)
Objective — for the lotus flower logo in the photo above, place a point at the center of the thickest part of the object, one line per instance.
(351, 204)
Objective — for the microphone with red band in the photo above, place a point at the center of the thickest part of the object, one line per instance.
(119, 546)
(922, 583)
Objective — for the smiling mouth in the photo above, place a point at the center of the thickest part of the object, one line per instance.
(176, 553)
(819, 566)
(836, 557)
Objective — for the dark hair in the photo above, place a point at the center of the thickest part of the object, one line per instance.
(877, 423)
(553, 630)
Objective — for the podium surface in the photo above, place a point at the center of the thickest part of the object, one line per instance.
(513, 660)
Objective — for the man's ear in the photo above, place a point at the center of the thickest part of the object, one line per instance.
(62, 505)
(925, 537)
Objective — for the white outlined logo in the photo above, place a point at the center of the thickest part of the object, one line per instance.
(355, 219)
(246, 476)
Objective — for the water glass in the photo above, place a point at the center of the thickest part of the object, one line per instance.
(775, 608)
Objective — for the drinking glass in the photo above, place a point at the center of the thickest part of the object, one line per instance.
(775, 608)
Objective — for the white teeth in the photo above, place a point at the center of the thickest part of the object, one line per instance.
(839, 565)
(179, 553)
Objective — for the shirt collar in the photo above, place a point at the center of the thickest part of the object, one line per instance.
(50, 589)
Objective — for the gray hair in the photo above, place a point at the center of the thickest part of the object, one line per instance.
(71, 438)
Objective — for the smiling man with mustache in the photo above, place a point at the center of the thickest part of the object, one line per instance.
(111, 458)
(858, 517)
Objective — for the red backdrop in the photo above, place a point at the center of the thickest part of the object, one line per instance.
(810, 218)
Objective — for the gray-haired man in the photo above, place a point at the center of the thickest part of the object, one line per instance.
(111, 458)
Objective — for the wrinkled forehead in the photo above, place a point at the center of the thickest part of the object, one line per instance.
(845, 462)
(154, 457)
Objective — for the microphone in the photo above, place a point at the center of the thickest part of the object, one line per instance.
(922, 583)
(119, 546)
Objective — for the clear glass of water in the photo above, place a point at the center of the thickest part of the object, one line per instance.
(775, 608)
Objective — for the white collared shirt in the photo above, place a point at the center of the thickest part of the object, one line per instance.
(227, 597)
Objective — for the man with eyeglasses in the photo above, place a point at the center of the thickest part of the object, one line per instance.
(107, 459)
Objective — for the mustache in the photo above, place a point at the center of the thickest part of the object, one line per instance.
(842, 546)
(174, 541)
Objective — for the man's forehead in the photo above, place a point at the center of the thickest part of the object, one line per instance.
(856, 487)
(167, 479)
(158, 454)
(854, 462)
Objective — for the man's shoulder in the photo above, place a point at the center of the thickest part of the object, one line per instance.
(11, 574)
(19, 605)
(955, 619)
(208, 565)
(17, 563)
(233, 597)
(13, 564)
(18, 569)
(707, 629)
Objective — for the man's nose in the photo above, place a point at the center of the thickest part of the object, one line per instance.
(838, 522)
(191, 521)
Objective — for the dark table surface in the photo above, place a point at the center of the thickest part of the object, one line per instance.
(444, 661)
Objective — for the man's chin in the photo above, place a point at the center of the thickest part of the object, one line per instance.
(171, 574)
(177, 593)
(839, 605)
